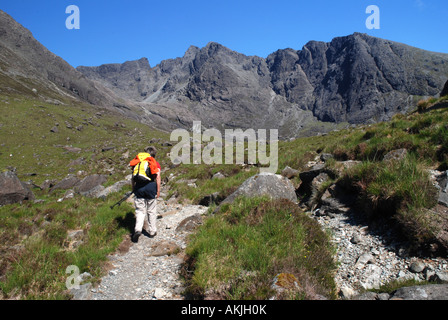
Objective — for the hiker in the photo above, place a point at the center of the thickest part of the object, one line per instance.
(146, 186)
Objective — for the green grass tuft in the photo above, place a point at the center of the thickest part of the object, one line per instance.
(240, 250)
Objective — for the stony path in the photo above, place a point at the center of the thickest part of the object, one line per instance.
(369, 258)
(149, 270)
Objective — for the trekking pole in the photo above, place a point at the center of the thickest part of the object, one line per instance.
(127, 195)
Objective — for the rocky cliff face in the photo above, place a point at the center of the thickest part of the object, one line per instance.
(353, 79)
(215, 85)
(358, 78)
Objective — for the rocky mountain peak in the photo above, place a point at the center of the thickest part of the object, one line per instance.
(353, 79)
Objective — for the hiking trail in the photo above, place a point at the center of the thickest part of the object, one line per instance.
(149, 269)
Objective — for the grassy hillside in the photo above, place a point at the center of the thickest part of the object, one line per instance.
(44, 138)
(35, 247)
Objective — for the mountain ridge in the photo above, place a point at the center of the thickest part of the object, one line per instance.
(27, 67)
(352, 79)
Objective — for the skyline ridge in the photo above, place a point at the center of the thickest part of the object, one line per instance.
(297, 50)
(112, 31)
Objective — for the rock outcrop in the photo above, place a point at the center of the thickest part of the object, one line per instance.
(12, 190)
(265, 184)
(91, 185)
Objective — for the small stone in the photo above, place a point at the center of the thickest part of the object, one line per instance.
(383, 296)
(218, 175)
(289, 172)
(159, 293)
(369, 295)
(326, 156)
(356, 239)
(372, 280)
(364, 259)
(395, 155)
(164, 247)
(347, 292)
(417, 267)
(428, 273)
(441, 276)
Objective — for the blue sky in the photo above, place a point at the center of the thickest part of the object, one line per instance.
(117, 31)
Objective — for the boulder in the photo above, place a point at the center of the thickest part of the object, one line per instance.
(83, 292)
(91, 185)
(272, 185)
(336, 199)
(417, 267)
(283, 284)
(75, 238)
(68, 182)
(77, 162)
(349, 164)
(289, 172)
(372, 277)
(47, 184)
(320, 179)
(12, 190)
(308, 176)
(441, 277)
(427, 292)
(117, 186)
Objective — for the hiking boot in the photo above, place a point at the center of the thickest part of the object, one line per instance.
(136, 236)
